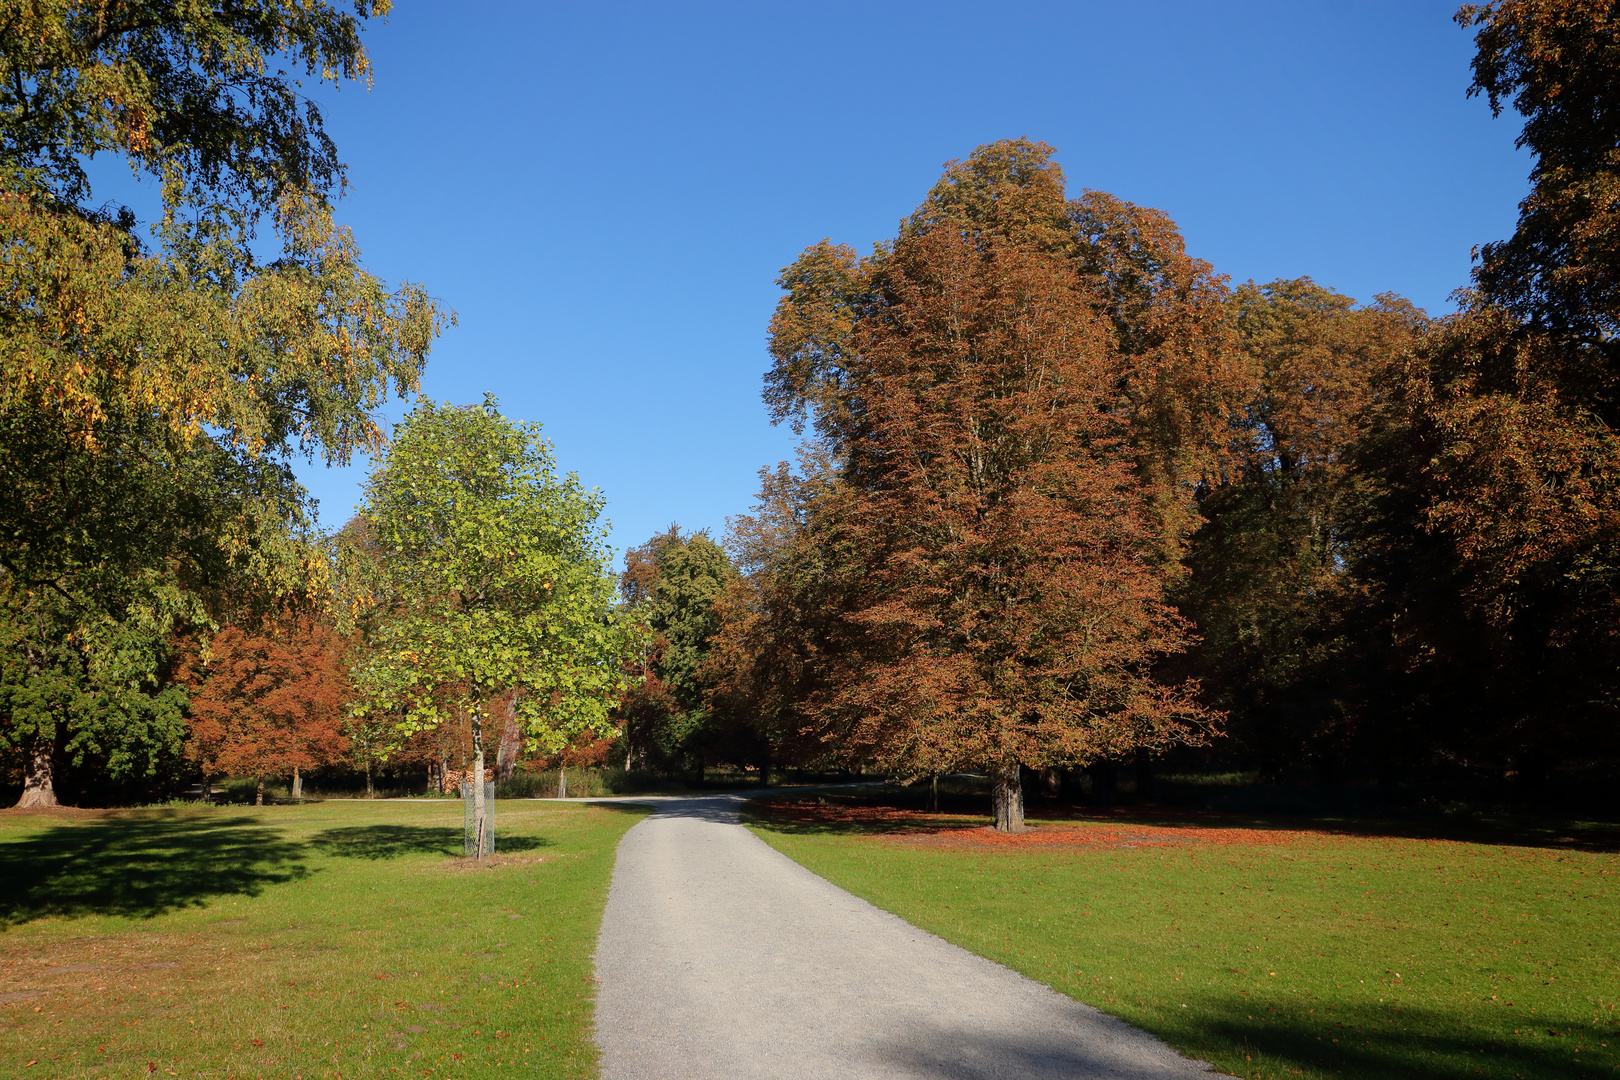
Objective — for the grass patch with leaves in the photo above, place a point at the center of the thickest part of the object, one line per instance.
(1270, 952)
(319, 941)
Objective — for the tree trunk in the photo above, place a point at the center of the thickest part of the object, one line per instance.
(1007, 795)
(1051, 783)
(368, 778)
(511, 742)
(258, 795)
(933, 795)
(444, 771)
(39, 772)
(562, 781)
(476, 717)
(297, 786)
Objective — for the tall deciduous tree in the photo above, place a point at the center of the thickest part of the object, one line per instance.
(1000, 501)
(495, 582)
(151, 391)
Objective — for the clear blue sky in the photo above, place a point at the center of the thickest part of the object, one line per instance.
(606, 192)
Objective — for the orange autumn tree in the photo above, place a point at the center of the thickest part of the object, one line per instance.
(977, 577)
(270, 702)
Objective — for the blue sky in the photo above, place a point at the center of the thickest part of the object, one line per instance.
(606, 192)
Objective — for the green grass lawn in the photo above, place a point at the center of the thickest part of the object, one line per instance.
(343, 939)
(1268, 953)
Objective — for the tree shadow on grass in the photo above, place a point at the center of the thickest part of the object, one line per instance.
(1404, 1044)
(1369, 1047)
(395, 841)
(141, 866)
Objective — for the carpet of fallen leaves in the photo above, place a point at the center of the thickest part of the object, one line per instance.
(1098, 829)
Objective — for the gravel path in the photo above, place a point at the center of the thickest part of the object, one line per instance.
(720, 958)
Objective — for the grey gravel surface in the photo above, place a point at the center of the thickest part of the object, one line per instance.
(720, 958)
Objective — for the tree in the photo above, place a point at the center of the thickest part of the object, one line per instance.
(1491, 561)
(271, 702)
(150, 394)
(673, 580)
(998, 498)
(1266, 571)
(1560, 270)
(495, 582)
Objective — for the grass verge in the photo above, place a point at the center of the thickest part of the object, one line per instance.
(1268, 952)
(335, 940)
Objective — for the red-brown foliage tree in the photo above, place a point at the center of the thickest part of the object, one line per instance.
(986, 546)
(270, 702)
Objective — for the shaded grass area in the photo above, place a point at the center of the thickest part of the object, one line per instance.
(1268, 951)
(341, 939)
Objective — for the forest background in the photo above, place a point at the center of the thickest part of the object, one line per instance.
(1263, 523)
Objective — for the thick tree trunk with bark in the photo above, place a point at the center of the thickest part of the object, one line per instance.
(1007, 796)
(39, 775)
(258, 795)
(297, 785)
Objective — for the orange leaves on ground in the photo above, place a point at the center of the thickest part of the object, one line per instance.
(919, 828)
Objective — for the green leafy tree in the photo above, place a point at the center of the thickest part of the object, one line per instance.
(151, 390)
(674, 580)
(495, 581)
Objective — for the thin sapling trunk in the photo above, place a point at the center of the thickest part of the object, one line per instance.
(476, 717)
